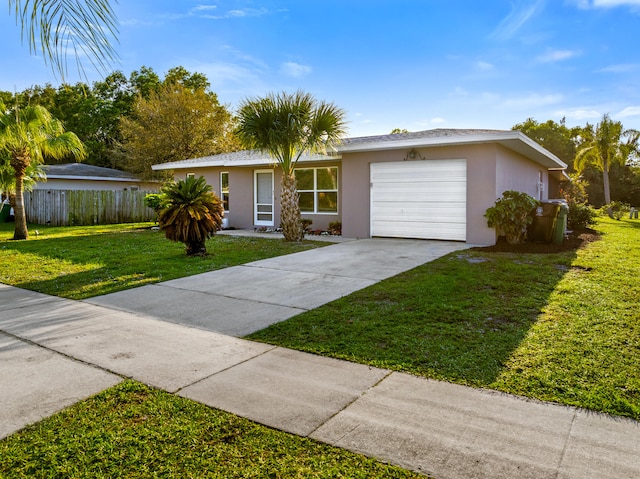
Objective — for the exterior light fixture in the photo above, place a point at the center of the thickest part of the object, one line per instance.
(413, 154)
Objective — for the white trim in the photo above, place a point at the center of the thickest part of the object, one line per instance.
(256, 221)
(513, 140)
(316, 191)
(222, 188)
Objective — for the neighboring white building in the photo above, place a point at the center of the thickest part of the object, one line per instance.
(79, 176)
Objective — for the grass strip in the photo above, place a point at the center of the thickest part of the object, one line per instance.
(560, 327)
(134, 431)
(82, 262)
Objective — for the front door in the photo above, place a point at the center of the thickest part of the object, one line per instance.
(263, 195)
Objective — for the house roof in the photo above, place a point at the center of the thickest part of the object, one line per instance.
(236, 158)
(81, 171)
(513, 140)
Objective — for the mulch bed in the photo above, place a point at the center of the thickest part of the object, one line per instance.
(574, 241)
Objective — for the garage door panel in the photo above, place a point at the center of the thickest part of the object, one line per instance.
(419, 199)
(441, 231)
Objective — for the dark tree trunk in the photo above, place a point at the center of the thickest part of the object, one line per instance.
(196, 248)
(20, 164)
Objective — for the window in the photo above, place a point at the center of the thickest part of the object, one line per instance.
(224, 190)
(318, 189)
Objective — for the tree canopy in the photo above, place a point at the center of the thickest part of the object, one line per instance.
(94, 112)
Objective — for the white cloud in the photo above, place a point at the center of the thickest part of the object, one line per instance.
(521, 13)
(552, 56)
(239, 13)
(532, 100)
(579, 114)
(484, 66)
(295, 70)
(437, 121)
(588, 4)
(629, 111)
(202, 8)
(621, 68)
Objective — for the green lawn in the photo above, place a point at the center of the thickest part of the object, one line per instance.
(134, 431)
(559, 327)
(85, 261)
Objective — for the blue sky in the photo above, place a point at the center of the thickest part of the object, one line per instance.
(414, 64)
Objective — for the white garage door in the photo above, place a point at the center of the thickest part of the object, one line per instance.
(419, 199)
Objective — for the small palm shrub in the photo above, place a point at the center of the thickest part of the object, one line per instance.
(511, 215)
(191, 213)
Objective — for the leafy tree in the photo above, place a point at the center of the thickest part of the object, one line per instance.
(555, 137)
(27, 135)
(191, 213)
(174, 124)
(397, 131)
(192, 81)
(144, 82)
(286, 126)
(605, 146)
(56, 27)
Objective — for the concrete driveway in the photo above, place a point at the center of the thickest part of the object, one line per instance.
(243, 299)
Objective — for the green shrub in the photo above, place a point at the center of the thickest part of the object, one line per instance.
(616, 209)
(306, 223)
(335, 228)
(511, 215)
(581, 216)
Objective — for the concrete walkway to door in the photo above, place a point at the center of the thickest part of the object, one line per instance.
(243, 299)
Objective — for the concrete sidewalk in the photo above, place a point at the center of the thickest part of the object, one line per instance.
(54, 352)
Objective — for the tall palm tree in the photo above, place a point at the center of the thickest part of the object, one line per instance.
(55, 27)
(191, 213)
(285, 126)
(27, 136)
(609, 144)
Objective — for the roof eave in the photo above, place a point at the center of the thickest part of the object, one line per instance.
(513, 140)
(224, 163)
(96, 178)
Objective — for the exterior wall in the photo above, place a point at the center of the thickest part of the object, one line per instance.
(481, 186)
(515, 172)
(241, 193)
(93, 185)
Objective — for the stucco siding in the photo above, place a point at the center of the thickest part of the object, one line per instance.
(242, 193)
(515, 172)
(481, 178)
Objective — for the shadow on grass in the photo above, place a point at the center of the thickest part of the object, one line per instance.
(86, 265)
(458, 318)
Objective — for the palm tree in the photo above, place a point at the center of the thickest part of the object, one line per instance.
(191, 213)
(33, 174)
(27, 136)
(285, 126)
(606, 146)
(56, 27)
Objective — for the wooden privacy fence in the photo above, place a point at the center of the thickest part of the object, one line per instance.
(86, 207)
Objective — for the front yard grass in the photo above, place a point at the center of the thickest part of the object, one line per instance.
(134, 431)
(561, 327)
(85, 261)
